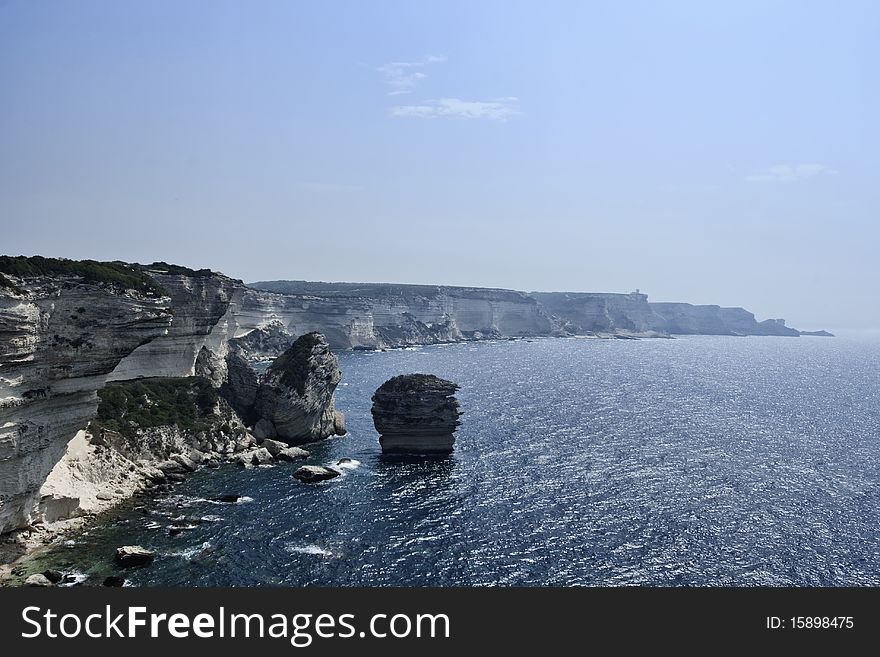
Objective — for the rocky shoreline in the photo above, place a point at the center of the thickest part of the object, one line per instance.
(167, 352)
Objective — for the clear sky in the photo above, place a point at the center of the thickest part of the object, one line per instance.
(710, 152)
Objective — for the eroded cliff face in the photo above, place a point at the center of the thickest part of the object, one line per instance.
(375, 316)
(59, 339)
(205, 308)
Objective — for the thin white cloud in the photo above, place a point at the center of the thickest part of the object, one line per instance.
(403, 76)
(787, 173)
(327, 188)
(498, 109)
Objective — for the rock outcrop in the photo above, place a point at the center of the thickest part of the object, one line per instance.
(147, 432)
(416, 413)
(129, 556)
(295, 398)
(311, 474)
(241, 386)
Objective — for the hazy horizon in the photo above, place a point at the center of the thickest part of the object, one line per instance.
(703, 153)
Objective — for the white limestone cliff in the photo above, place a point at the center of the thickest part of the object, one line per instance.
(60, 340)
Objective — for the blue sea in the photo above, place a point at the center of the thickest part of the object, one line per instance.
(696, 461)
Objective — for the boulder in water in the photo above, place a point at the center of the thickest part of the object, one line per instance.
(134, 555)
(311, 474)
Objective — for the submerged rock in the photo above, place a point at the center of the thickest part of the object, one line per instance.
(231, 498)
(294, 402)
(133, 555)
(416, 413)
(113, 580)
(314, 473)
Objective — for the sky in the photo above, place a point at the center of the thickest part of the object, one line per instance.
(708, 152)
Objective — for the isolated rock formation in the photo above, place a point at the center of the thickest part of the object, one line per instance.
(416, 413)
(294, 401)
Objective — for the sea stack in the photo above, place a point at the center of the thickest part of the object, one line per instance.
(416, 414)
(294, 401)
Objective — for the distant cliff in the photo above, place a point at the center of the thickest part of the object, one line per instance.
(632, 314)
(580, 313)
(374, 315)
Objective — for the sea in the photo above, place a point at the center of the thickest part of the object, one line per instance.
(694, 461)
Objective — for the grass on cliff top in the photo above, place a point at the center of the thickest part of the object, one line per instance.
(116, 274)
(166, 268)
(293, 364)
(144, 403)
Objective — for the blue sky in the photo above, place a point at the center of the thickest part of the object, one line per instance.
(702, 151)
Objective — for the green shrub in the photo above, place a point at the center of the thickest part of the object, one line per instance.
(144, 403)
(165, 268)
(118, 275)
(293, 364)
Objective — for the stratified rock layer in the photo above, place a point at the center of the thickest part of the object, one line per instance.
(416, 413)
(294, 401)
(60, 340)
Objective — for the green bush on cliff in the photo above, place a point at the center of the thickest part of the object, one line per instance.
(165, 268)
(293, 364)
(116, 274)
(143, 403)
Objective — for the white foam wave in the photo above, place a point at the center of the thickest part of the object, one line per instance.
(189, 553)
(309, 549)
(74, 578)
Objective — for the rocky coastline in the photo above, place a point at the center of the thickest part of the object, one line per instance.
(75, 333)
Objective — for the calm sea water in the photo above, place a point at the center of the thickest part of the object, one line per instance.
(694, 461)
